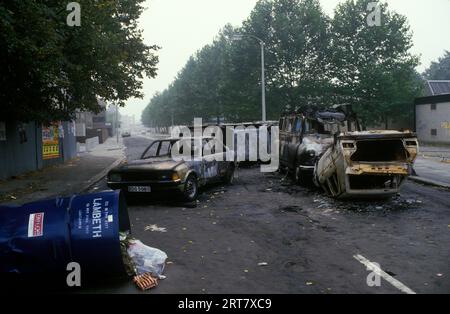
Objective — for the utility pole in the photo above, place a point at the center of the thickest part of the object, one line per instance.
(237, 37)
(263, 82)
(117, 123)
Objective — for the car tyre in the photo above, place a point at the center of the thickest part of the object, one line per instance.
(302, 178)
(190, 192)
(229, 176)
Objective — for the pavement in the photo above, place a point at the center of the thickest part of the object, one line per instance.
(73, 177)
(264, 234)
(432, 166)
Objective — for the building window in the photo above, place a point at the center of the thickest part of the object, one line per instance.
(433, 106)
(433, 132)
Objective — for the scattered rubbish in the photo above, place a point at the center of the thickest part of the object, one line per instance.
(390, 273)
(12, 197)
(155, 228)
(245, 270)
(263, 264)
(144, 259)
(145, 281)
(439, 275)
(309, 283)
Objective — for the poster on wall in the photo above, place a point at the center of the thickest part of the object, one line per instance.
(2, 131)
(50, 141)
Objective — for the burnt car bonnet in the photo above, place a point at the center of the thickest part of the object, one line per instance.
(151, 165)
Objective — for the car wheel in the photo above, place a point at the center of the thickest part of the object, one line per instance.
(302, 177)
(229, 176)
(190, 192)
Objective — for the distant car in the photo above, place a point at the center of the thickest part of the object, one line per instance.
(157, 172)
(126, 134)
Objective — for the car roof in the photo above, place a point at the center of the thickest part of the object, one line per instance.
(172, 139)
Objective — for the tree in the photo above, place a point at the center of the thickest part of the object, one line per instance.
(372, 67)
(311, 60)
(50, 70)
(224, 78)
(439, 70)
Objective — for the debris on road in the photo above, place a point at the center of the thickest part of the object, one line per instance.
(145, 281)
(155, 228)
(263, 264)
(145, 263)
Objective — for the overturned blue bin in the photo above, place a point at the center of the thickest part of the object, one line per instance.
(44, 237)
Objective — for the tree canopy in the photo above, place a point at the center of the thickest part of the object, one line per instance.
(311, 59)
(49, 70)
(439, 70)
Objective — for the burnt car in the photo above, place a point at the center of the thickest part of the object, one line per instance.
(366, 164)
(158, 172)
(305, 136)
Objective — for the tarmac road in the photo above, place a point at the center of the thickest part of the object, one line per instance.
(307, 240)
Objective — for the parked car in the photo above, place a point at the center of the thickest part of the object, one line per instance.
(156, 171)
(304, 137)
(126, 134)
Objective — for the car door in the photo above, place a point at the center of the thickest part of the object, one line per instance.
(295, 141)
(286, 139)
(210, 161)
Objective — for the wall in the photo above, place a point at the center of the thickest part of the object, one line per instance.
(17, 158)
(439, 119)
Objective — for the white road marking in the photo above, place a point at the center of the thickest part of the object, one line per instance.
(377, 270)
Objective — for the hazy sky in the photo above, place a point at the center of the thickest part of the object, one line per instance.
(181, 27)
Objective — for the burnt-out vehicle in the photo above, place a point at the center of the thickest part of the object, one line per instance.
(366, 164)
(304, 137)
(158, 172)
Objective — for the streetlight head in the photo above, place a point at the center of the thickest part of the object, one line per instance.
(236, 37)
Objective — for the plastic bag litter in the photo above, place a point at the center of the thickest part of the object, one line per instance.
(146, 259)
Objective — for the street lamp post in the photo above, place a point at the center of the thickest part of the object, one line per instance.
(263, 75)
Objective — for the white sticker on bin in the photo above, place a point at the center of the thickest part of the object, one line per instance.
(110, 218)
(36, 225)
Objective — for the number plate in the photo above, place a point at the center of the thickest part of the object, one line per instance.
(139, 189)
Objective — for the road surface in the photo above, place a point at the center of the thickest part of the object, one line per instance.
(265, 235)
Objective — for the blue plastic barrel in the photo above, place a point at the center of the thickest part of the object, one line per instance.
(45, 236)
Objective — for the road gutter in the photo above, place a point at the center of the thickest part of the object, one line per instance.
(429, 182)
(101, 175)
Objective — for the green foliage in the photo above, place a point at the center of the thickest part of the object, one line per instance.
(49, 70)
(439, 70)
(371, 65)
(311, 59)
